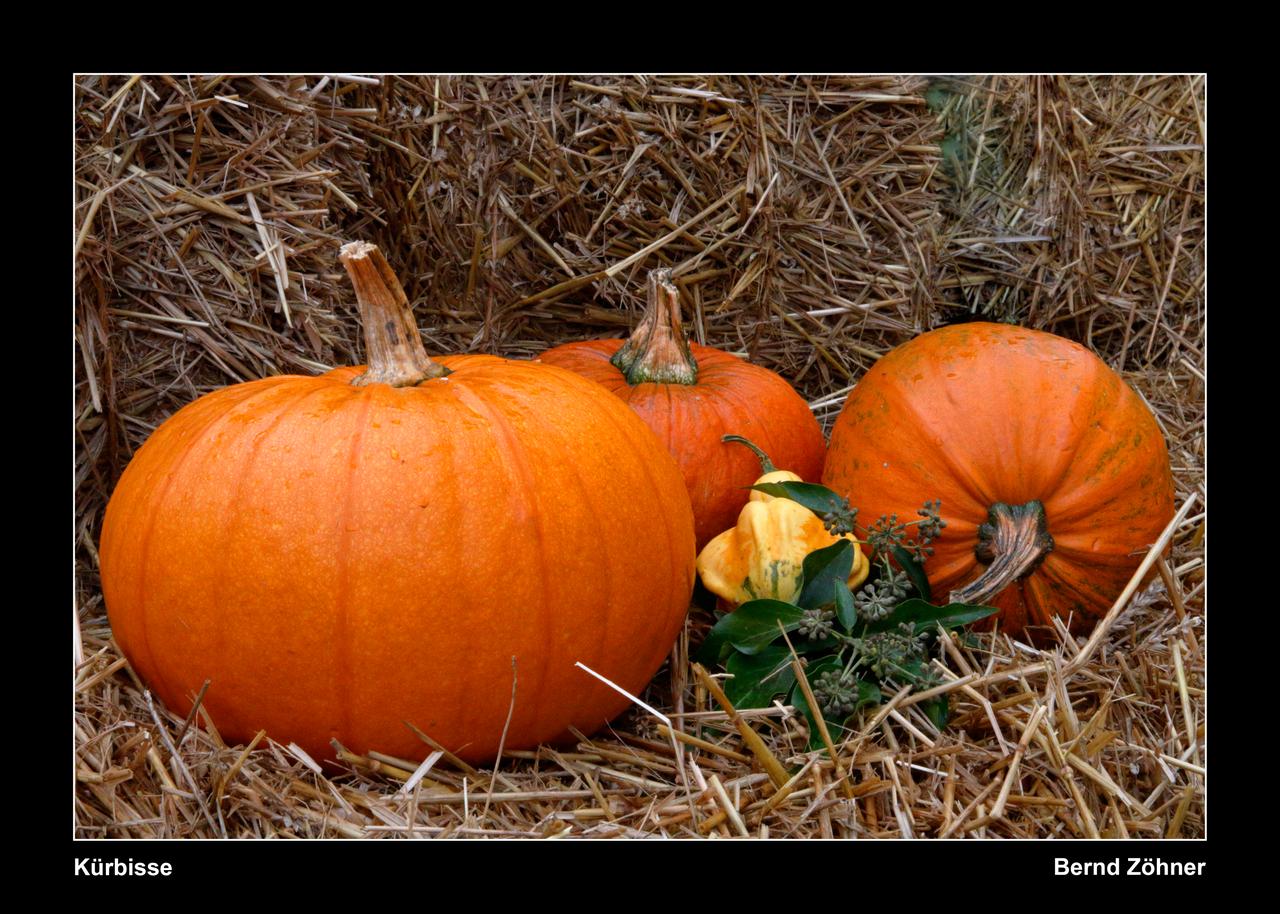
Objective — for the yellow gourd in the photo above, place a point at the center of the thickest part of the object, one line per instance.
(762, 556)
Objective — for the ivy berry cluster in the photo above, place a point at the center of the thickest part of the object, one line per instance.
(851, 643)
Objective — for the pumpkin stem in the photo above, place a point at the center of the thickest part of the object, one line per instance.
(766, 465)
(396, 355)
(1012, 544)
(657, 352)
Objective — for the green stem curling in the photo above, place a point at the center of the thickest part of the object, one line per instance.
(1012, 543)
(766, 465)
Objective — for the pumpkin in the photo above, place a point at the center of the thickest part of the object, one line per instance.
(762, 556)
(691, 396)
(1053, 475)
(431, 542)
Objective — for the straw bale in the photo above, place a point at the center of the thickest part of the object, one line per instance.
(813, 223)
(785, 207)
(1076, 205)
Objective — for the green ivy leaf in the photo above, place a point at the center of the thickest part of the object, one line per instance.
(715, 647)
(868, 693)
(752, 626)
(925, 615)
(914, 570)
(936, 96)
(846, 612)
(817, 498)
(953, 151)
(757, 679)
(938, 710)
(822, 568)
(914, 669)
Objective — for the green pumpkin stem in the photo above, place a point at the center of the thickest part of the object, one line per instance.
(766, 465)
(657, 352)
(396, 354)
(1012, 544)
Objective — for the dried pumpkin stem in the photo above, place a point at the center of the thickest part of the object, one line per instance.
(396, 354)
(657, 352)
(1012, 543)
(766, 465)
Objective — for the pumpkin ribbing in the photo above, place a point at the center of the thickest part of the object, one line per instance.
(728, 395)
(339, 557)
(981, 415)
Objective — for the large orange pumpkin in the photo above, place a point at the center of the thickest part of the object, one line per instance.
(1053, 475)
(343, 553)
(692, 396)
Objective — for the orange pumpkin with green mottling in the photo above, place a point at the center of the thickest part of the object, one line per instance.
(1053, 475)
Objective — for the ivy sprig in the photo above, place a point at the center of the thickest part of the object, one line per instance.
(854, 644)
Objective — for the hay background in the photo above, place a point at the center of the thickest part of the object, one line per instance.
(813, 223)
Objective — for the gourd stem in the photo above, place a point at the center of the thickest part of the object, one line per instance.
(657, 352)
(766, 465)
(1012, 544)
(396, 354)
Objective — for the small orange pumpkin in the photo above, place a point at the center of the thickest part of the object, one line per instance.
(1053, 475)
(343, 554)
(691, 396)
